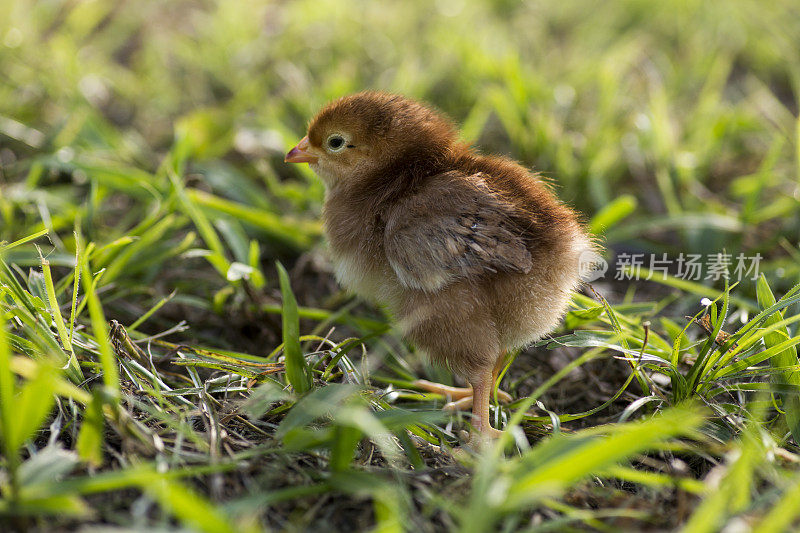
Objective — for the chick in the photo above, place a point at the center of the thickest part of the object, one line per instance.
(472, 254)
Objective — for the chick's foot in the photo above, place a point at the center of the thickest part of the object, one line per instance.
(484, 437)
(461, 396)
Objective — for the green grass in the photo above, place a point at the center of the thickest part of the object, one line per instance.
(160, 368)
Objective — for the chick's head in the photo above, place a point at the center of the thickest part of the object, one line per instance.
(370, 133)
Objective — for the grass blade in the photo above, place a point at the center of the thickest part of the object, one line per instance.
(188, 506)
(7, 393)
(74, 370)
(784, 358)
(781, 516)
(90, 437)
(560, 462)
(609, 215)
(100, 332)
(297, 371)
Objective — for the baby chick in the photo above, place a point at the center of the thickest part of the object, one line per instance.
(472, 254)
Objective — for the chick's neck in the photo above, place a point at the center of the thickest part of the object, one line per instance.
(403, 174)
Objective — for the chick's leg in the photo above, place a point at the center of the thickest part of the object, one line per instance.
(482, 386)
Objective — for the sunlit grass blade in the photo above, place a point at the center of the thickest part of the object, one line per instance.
(612, 316)
(150, 312)
(29, 368)
(297, 371)
(8, 246)
(7, 394)
(690, 287)
(656, 479)
(217, 256)
(297, 234)
(612, 213)
(188, 506)
(108, 360)
(733, 492)
(30, 407)
(554, 465)
(90, 438)
(345, 441)
(73, 369)
(148, 239)
(57, 506)
(551, 467)
(783, 513)
(786, 357)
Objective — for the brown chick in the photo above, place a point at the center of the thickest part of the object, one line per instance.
(472, 254)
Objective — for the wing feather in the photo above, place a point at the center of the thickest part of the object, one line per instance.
(455, 227)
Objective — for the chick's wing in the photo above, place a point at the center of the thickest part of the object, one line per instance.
(454, 227)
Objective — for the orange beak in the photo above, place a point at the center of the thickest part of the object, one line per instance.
(300, 154)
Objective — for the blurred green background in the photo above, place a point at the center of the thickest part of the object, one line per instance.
(687, 106)
(156, 130)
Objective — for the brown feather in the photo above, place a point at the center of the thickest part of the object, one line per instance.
(470, 236)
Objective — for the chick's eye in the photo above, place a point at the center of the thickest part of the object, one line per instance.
(335, 142)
